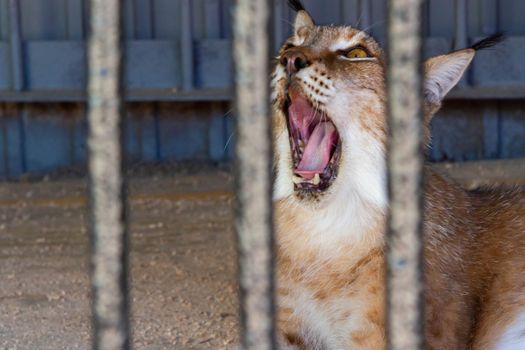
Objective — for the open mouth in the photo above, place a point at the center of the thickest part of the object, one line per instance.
(315, 144)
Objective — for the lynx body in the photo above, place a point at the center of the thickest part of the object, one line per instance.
(330, 133)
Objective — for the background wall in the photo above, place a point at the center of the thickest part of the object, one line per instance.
(179, 78)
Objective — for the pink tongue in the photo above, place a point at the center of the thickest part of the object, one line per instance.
(302, 116)
(318, 151)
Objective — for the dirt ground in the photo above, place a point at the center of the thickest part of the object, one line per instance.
(183, 284)
(182, 255)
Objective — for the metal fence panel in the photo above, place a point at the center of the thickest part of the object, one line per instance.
(15, 42)
(253, 173)
(109, 234)
(405, 164)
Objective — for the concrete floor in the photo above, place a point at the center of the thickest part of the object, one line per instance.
(182, 260)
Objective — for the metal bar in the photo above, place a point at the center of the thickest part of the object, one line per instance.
(405, 164)
(15, 43)
(489, 17)
(212, 17)
(365, 14)
(4, 20)
(107, 199)
(252, 47)
(461, 31)
(143, 19)
(279, 19)
(5, 145)
(129, 20)
(187, 44)
(74, 19)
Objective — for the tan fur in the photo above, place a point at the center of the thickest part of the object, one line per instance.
(357, 273)
(330, 263)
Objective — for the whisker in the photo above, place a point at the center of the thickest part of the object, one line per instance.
(287, 22)
(228, 141)
(359, 20)
(373, 25)
(227, 114)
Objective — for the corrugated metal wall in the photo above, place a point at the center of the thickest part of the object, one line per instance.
(179, 78)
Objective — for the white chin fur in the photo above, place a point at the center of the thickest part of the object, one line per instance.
(514, 336)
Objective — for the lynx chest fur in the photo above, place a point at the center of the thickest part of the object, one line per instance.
(330, 134)
(330, 291)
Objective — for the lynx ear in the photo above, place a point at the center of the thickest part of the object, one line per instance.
(443, 72)
(303, 21)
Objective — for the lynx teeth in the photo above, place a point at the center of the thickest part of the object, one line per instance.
(297, 180)
(316, 180)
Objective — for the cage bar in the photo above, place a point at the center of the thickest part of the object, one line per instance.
(254, 228)
(107, 200)
(405, 165)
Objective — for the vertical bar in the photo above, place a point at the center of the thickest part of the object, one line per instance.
(74, 19)
(143, 19)
(5, 144)
(405, 164)
(253, 172)
(279, 19)
(86, 14)
(489, 17)
(212, 17)
(461, 30)
(187, 45)
(365, 14)
(107, 199)
(4, 20)
(227, 18)
(425, 31)
(15, 43)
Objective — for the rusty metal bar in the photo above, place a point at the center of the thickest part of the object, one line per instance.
(253, 173)
(405, 165)
(107, 200)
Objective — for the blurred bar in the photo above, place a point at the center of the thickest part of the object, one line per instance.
(253, 173)
(405, 163)
(107, 200)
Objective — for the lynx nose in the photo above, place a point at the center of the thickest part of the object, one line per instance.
(294, 61)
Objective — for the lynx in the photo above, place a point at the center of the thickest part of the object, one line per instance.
(330, 198)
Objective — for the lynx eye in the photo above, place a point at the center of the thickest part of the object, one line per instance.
(357, 53)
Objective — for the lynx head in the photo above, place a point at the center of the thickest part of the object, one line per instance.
(329, 112)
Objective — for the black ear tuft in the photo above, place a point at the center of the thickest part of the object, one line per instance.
(489, 42)
(296, 5)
